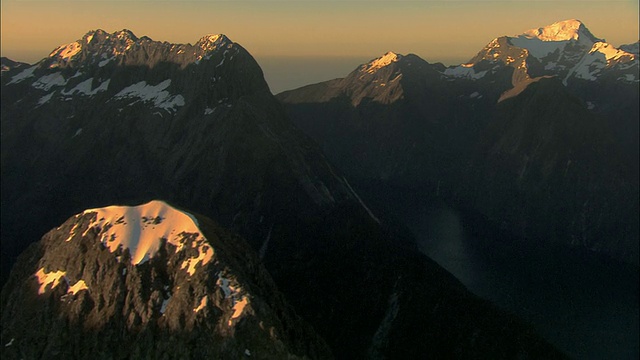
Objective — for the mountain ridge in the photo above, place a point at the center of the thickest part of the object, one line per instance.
(431, 129)
(211, 138)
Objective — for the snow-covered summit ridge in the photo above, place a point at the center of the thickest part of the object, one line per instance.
(104, 47)
(562, 31)
(385, 60)
(610, 52)
(566, 49)
(145, 228)
(213, 41)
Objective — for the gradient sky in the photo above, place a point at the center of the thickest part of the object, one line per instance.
(445, 31)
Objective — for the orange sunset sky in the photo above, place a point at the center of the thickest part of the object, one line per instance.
(447, 31)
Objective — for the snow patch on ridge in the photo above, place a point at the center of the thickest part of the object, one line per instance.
(238, 301)
(602, 55)
(45, 99)
(154, 93)
(538, 48)
(465, 71)
(54, 279)
(381, 62)
(24, 74)
(77, 287)
(610, 52)
(84, 88)
(105, 61)
(212, 41)
(165, 303)
(46, 82)
(145, 228)
(202, 305)
(66, 52)
(48, 278)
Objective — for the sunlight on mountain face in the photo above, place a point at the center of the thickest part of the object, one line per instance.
(48, 278)
(143, 229)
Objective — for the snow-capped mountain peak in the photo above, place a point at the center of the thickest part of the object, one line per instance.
(562, 31)
(385, 60)
(143, 229)
(66, 52)
(213, 41)
(125, 34)
(100, 47)
(566, 49)
(610, 52)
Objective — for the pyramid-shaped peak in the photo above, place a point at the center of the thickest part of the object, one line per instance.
(378, 63)
(213, 41)
(95, 32)
(124, 34)
(571, 29)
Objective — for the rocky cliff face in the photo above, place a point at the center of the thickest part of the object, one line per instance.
(548, 169)
(148, 281)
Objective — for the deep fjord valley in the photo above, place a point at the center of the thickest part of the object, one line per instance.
(158, 201)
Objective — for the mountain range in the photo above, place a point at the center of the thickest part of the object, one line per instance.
(537, 134)
(114, 128)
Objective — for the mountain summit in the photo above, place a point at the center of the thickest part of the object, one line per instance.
(147, 280)
(562, 31)
(381, 62)
(566, 49)
(124, 47)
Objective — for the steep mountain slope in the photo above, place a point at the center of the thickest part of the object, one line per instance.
(113, 118)
(392, 119)
(432, 137)
(547, 168)
(147, 281)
